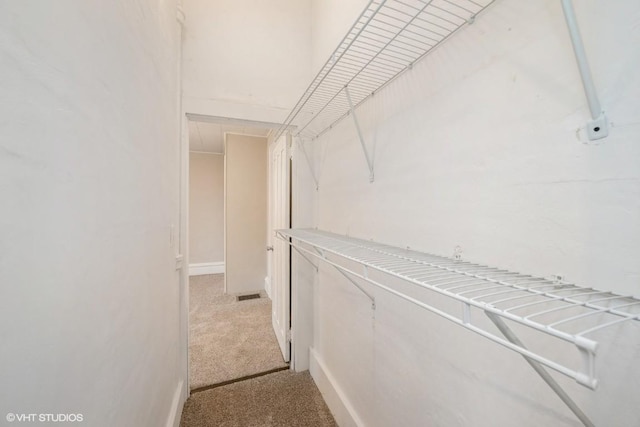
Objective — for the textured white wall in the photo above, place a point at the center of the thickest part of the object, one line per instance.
(89, 190)
(478, 146)
(206, 208)
(248, 59)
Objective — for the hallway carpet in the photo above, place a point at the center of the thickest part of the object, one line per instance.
(283, 399)
(228, 339)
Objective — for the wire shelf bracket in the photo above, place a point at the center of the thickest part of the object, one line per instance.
(309, 164)
(343, 272)
(552, 383)
(360, 137)
(547, 306)
(597, 127)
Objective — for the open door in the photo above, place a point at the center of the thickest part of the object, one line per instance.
(279, 273)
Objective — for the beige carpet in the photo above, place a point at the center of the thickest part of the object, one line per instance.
(228, 339)
(283, 399)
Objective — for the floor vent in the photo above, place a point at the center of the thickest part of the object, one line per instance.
(246, 297)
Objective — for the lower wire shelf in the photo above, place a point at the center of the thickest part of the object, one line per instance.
(552, 307)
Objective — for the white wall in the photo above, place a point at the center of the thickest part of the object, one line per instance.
(206, 208)
(245, 213)
(89, 190)
(478, 146)
(247, 59)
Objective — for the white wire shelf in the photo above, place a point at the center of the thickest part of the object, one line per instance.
(565, 311)
(386, 40)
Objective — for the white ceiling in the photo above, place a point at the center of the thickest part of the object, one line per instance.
(209, 137)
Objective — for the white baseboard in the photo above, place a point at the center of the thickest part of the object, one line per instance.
(175, 412)
(342, 410)
(206, 268)
(267, 286)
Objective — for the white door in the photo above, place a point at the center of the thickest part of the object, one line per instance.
(279, 204)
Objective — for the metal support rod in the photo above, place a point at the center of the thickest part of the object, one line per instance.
(306, 156)
(305, 257)
(357, 124)
(353, 282)
(558, 390)
(598, 127)
(340, 269)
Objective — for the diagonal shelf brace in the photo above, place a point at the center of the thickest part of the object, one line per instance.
(321, 256)
(558, 390)
(598, 127)
(305, 257)
(346, 276)
(306, 156)
(357, 124)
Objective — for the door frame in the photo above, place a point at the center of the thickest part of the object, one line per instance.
(182, 259)
(272, 241)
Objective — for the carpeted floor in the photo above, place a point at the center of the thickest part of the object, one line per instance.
(283, 399)
(228, 339)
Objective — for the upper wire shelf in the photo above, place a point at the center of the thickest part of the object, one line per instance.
(562, 310)
(386, 40)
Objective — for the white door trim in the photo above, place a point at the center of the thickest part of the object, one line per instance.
(279, 258)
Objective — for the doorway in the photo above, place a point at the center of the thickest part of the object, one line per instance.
(231, 221)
